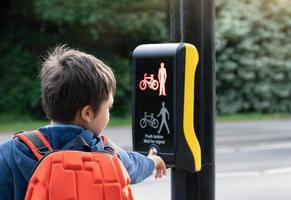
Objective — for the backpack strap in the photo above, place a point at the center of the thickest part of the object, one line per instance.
(78, 141)
(35, 141)
(109, 145)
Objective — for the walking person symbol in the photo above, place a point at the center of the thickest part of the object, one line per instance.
(164, 113)
(162, 76)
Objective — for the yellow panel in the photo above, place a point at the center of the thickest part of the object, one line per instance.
(191, 62)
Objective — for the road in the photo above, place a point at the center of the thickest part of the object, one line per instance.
(253, 161)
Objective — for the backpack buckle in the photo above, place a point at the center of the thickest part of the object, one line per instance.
(43, 150)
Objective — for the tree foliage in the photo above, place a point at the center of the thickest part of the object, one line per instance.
(253, 47)
(107, 29)
(138, 19)
(253, 51)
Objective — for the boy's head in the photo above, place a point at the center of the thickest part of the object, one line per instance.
(76, 87)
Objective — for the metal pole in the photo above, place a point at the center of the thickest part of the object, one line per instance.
(192, 21)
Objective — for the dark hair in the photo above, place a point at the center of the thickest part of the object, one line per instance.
(70, 80)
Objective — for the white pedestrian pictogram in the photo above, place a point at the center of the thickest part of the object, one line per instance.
(164, 113)
(162, 76)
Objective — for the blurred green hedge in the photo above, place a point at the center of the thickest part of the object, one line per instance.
(19, 87)
(253, 48)
(110, 30)
(253, 52)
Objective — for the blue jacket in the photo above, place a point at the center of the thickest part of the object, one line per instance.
(17, 161)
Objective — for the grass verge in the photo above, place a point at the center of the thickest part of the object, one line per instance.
(252, 117)
(14, 123)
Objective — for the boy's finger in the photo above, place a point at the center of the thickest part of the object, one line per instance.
(164, 171)
(159, 173)
(153, 151)
(156, 174)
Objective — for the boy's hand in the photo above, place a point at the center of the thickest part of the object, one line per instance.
(159, 163)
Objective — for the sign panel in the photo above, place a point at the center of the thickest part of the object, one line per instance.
(163, 103)
(154, 114)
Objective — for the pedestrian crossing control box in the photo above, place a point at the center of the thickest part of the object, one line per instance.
(163, 111)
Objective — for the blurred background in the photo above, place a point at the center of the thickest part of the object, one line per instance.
(110, 30)
(253, 49)
(253, 79)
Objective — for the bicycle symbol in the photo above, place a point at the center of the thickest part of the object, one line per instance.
(148, 81)
(149, 119)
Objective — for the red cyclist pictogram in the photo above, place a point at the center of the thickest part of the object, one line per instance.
(148, 81)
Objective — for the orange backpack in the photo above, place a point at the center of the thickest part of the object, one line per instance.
(75, 175)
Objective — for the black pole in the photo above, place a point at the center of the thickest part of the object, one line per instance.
(192, 21)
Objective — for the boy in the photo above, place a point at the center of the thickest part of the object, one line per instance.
(77, 93)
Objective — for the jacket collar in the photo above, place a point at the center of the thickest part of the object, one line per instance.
(59, 135)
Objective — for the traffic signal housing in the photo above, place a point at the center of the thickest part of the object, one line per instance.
(163, 111)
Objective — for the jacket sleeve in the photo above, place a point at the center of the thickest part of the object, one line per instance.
(6, 179)
(138, 166)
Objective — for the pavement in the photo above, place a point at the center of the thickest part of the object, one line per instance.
(252, 161)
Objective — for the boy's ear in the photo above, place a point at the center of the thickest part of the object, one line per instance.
(87, 114)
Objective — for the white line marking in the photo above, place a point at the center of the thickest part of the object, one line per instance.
(265, 147)
(253, 137)
(285, 170)
(254, 148)
(238, 174)
(225, 150)
(267, 172)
